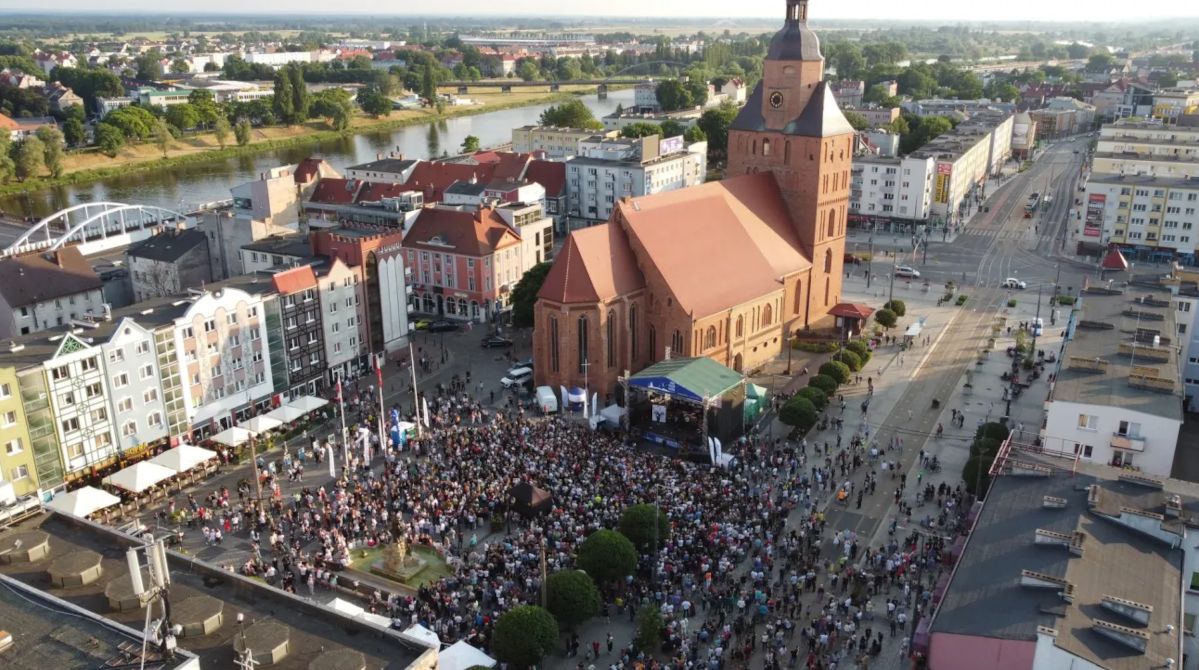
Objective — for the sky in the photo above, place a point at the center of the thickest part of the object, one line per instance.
(943, 10)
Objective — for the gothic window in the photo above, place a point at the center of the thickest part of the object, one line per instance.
(611, 338)
(832, 222)
(765, 147)
(710, 338)
(754, 150)
(653, 342)
(787, 152)
(633, 330)
(583, 355)
(740, 326)
(828, 261)
(826, 287)
(676, 344)
(798, 297)
(554, 343)
(766, 315)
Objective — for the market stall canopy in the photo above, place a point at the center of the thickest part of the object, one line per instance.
(422, 636)
(348, 608)
(692, 379)
(1114, 260)
(233, 437)
(285, 413)
(139, 476)
(82, 502)
(460, 656)
(528, 499)
(308, 403)
(260, 424)
(183, 457)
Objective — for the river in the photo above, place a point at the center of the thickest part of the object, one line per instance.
(184, 187)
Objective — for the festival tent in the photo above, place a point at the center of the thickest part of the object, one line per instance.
(460, 656)
(260, 424)
(422, 636)
(83, 501)
(233, 437)
(139, 476)
(285, 413)
(350, 609)
(529, 500)
(308, 403)
(183, 457)
(693, 379)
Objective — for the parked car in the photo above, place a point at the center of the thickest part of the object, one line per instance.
(852, 259)
(442, 327)
(1012, 282)
(907, 271)
(526, 363)
(517, 377)
(1038, 327)
(496, 342)
(423, 324)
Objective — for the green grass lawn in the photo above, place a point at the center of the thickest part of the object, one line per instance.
(435, 567)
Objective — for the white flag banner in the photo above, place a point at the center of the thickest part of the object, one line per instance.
(658, 413)
(425, 405)
(565, 404)
(594, 404)
(332, 465)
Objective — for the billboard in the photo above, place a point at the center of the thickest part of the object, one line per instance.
(941, 187)
(1093, 225)
(945, 168)
(670, 145)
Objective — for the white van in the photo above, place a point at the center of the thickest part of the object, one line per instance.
(547, 402)
(517, 377)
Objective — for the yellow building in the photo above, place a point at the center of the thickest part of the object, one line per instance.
(16, 453)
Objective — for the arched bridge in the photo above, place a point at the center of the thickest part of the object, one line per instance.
(95, 226)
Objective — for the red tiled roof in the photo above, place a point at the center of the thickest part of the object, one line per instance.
(594, 265)
(510, 165)
(472, 232)
(851, 310)
(374, 191)
(294, 280)
(1114, 260)
(307, 170)
(433, 178)
(331, 191)
(7, 123)
(551, 176)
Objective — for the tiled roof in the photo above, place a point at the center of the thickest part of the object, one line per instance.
(335, 191)
(294, 280)
(551, 176)
(432, 178)
(307, 170)
(33, 278)
(374, 191)
(472, 232)
(594, 265)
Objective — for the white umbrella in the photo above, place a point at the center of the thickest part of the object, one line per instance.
(308, 403)
(82, 502)
(184, 457)
(260, 424)
(285, 413)
(139, 476)
(233, 437)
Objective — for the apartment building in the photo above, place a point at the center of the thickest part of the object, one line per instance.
(964, 158)
(1149, 148)
(303, 335)
(340, 289)
(1171, 103)
(168, 263)
(18, 474)
(1063, 117)
(884, 190)
(134, 376)
(556, 143)
(46, 290)
(1143, 213)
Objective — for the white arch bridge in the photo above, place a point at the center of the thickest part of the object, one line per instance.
(95, 226)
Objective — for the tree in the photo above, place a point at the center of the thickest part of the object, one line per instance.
(299, 92)
(672, 128)
(470, 145)
(53, 147)
(824, 383)
(183, 116)
(1100, 63)
(641, 129)
(134, 121)
(570, 114)
(637, 524)
(715, 124)
(850, 359)
(335, 106)
(74, 132)
(149, 65)
(8, 168)
(799, 413)
(180, 66)
(527, 69)
(818, 398)
(524, 635)
(983, 449)
(649, 629)
(242, 132)
(221, 131)
(856, 120)
(673, 95)
(838, 371)
(30, 158)
(694, 134)
(163, 136)
(428, 87)
(373, 102)
(607, 556)
(571, 596)
(524, 294)
(284, 100)
(898, 306)
(110, 139)
(885, 318)
(860, 348)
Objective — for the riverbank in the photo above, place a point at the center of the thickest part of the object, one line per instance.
(88, 166)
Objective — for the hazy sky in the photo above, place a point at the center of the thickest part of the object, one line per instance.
(1051, 10)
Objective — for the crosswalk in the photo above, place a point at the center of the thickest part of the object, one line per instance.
(996, 233)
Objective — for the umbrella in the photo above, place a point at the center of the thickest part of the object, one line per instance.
(183, 457)
(233, 437)
(139, 476)
(285, 413)
(260, 424)
(308, 403)
(82, 502)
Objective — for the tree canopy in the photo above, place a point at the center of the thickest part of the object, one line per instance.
(524, 294)
(570, 114)
(571, 597)
(637, 524)
(607, 556)
(524, 635)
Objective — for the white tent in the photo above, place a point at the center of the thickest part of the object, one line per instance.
(82, 502)
(260, 424)
(233, 437)
(139, 476)
(308, 403)
(350, 609)
(421, 635)
(183, 457)
(285, 413)
(460, 656)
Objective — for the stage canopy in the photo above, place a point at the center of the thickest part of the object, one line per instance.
(691, 379)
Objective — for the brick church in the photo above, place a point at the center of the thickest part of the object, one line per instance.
(726, 270)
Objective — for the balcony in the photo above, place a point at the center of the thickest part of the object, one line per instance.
(1122, 441)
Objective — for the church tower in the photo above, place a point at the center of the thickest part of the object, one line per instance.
(792, 127)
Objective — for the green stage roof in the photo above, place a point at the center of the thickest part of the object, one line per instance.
(691, 378)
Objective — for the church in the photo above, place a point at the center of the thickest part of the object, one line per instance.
(728, 269)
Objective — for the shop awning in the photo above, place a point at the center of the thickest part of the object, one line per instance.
(308, 403)
(233, 437)
(689, 378)
(82, 502)
(285, 413)
(260, 424)
(183, 457)
(139, 476)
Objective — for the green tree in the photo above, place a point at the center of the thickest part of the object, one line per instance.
(1100, 63)
(799, 412)
(30, 159)
(824, 383)
(570, 114)
(641, 129)
(527, 69)
(715, 124)
(470, 145)
(860, 348)
(74, 132)
(571, 596)
(818, 398)
(673, 95)
(284, 104)
(898, 306)
(162, 136)
(242, 132)
(134, 121)
(183, 116)
(299, 92)
(53, 147)
(428, 87)
(850, 359)
(637, 524)
(110, 139)
(607, 556)
(524, 635)
(8, 167)
(524, 294)
(672, 128)
(335, 106)
(987, 440)
(885, 318)
(856, 120)
(180, 66)
(694, 134)
(649, 629)
(149, 65)
(837, 370)
(373, 102)
(221, 130)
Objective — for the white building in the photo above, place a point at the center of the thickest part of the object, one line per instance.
(891, 188)
(1147, 148)
(1150, 213)
(648, 165)
(1117, 398)
(107, 106)
(395, 295)
(77, 385)
(557, 143)
(965, 157)
(39, 291)
(132, 369)
(278, 59)
(645, 98)
(341, 297)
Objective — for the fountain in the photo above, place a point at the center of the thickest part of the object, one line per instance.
(398, 563)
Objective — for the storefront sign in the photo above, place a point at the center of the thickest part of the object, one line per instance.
(1093, 226)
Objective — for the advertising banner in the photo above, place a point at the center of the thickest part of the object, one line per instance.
(1093, 225)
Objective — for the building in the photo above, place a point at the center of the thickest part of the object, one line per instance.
(1121, 100)
(890, 190)
(303, 332)
(1143, 214)
(23, 127)
(278, 59)
(556, 143)
(1070, 565)
(62, 98)
(1171, 103)
(389, 287)
(1117, 397)
(18, 474)
(106, 106)
(1147, 148)
(849, 92)
(883, 143)
(384, 170)
(153, 97)
(965, 157)
(645, 98)
(1063, 117)
(943, 107)
(49, 60)
(725, 269)
(168, 263)
(878, 116)
(608, 170)
(340, 289)
(1184, 285)
(1024, 136)
(45, 290)
(266, 207)
(536, 230)
(276, 253)
(134, 374)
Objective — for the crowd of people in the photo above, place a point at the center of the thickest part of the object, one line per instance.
(747, 570)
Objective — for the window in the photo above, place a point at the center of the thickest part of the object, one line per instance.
(710, 337)
(60, 373)
(554, 343)
(767, 315)
(129, 428)
(740, 326)
(10, 418)
(5, 391)
(121, 380)
(20, 472)
(155, 419)
(103, 440)
(99, 414)
(584, 356)
(828, 261)
(633, 329)
(88, 364)
(1088, 422)
(151, 395)
(126, 405)
(13, 446)
(116, 356)
(231, 318)
(1085, 450)
(653, 342)
(147, 371)
(143, 347)
(210, 325)
(70, 425)
(611, 338)
(1129, 429)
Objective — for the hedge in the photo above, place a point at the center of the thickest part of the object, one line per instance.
(819, 347)
(897, 306)
(850, 359)
(839, 371)
(816, 396)
(800, 413)
(824, 383)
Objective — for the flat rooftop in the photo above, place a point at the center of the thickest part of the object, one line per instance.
(312, 628)
(1117, 332)
(1142, 180)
